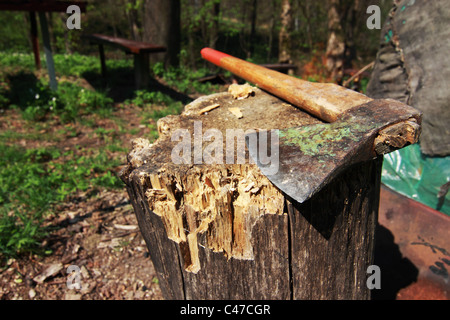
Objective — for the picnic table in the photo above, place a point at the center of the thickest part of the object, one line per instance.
(140, 51)
(41, 6)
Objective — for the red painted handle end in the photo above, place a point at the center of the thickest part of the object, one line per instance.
(213, 56)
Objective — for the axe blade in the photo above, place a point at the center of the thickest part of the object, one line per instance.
(305, 159)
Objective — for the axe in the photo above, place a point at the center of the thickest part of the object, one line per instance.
(357, 127)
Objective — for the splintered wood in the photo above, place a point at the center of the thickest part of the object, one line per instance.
(209, 206)
(223, 204)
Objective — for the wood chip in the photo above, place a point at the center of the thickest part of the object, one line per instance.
(240, 92)
(85, 273)
(115, 242)
(249, 187)
(209, 108)
(72, 296)
(254, 190)
(50, 271)
(125, 227)
(32, 293)
(236, 111)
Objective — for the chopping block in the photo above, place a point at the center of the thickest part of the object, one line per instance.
(224, 231)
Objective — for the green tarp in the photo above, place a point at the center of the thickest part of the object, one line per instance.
(417, 176)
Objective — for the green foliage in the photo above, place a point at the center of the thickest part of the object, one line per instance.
(155, 105)
(21, 89)
(33, 180)
(144, 97)
(69, 102)
(174, 108)
(16, 59)
(364, 83)
(35, 101)
(78, 65)
(134, 5)
(184, 79)
(76, 101)
(19, 232)
(75, 64)
(14, 31)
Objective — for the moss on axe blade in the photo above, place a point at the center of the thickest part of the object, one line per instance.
(309, 157)
(318, 139)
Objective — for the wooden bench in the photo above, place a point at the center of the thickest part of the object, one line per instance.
(140, 51)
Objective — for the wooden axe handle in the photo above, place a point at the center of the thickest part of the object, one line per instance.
(327, 101)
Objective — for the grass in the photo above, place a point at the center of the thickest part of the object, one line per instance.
(34, 180)
(36, 177)
(184, 79)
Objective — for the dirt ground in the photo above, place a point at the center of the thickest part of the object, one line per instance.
(101, 238)
(95, 232)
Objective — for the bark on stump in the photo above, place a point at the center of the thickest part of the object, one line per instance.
(224, 231)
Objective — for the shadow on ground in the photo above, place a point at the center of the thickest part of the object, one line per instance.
(25, 88)
(398, 272)
(119, 85)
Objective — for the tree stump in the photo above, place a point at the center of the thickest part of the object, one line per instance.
(224, 231)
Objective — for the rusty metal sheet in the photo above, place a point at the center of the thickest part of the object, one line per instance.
(421, 235)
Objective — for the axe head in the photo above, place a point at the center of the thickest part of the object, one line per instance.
(305, 159)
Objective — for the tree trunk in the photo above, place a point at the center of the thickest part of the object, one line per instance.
(305, 8)
(253, 28)
(67, 43)
(132, 13)
(243, 38)
(203, 22)
(271, 31)
(336, 41)
(285, 43)
(161, 23)
(214, 29)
